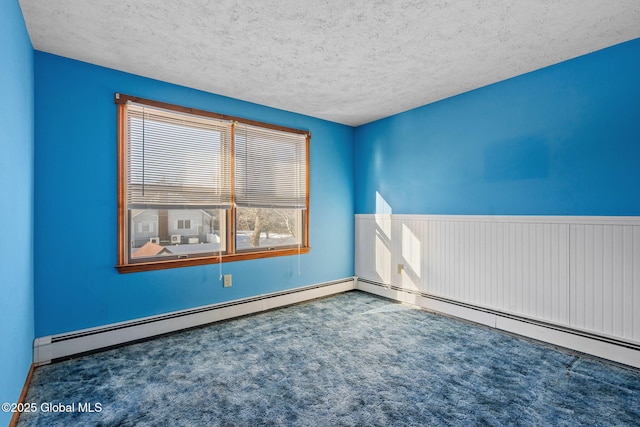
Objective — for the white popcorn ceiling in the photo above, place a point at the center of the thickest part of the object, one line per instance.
(348, 61)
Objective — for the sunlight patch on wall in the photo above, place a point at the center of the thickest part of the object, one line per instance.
(383, 239)
(382, 207)
(412, 256)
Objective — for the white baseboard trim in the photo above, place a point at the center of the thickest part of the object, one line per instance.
(627, 353)
(53, 347)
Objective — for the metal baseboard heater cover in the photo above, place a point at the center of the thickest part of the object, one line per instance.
(61, 346)
(602, 346)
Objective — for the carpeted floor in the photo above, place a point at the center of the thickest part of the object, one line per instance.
(348, 360)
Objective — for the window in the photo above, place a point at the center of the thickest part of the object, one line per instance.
(184, 224)
(270, 187)
(197, 187)
(145, 227)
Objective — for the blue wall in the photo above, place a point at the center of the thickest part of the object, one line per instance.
(16, 214)
(76, 284)
(563, 140)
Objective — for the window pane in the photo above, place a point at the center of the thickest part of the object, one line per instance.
(262, 228)
(167, 233)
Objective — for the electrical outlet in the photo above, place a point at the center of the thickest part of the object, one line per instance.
(227, 280)
(400, 268)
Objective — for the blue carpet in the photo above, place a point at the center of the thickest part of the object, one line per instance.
(349, 360)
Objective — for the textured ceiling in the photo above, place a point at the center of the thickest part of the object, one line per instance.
(348, 61)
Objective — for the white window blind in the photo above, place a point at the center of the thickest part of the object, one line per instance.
(270, 168)
(177, 160)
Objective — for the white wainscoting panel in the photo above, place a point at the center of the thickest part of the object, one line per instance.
(605, 279)
(578, 272)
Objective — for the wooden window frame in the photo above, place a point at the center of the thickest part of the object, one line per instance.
(230, 254)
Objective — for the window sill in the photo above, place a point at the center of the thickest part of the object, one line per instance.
(190, 262)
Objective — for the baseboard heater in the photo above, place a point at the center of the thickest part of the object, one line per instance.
(611, 348)
(62, 346)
